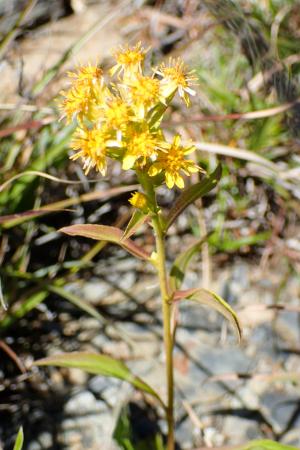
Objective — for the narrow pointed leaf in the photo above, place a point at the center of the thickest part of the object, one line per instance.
(98, 365)
(181, 263)
(19, 440)
(138, 218)
(191, 194)
(106, 233)
(212, 300)
(266, 444)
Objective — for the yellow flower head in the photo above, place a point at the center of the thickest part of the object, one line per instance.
(76, 102)
(171, 160)
(85, 95)
(176, 77)
(140, 145)
(122, 120)
(87, 75)
(142, 93)
(139, 201)
(129, 60)
(91, 146)
(116, 113)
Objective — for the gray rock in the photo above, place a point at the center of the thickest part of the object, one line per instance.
(83, 403)
(222, 360)
(240, 430)
(279, 407)
(287, 327)
(43, 442)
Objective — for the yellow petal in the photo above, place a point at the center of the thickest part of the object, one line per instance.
(128, 162)
(176, 140)
(179, 182)
(169, 180)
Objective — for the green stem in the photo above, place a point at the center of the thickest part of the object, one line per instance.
(168, 338)
(147, 184)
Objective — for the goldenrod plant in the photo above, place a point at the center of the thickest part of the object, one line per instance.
(119, 117)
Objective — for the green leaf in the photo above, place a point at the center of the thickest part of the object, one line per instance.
(266, 444)
(106, 233)
(98, 365)
(191, 194)
(180, 264)
(138, 218)
(20, 440)
(209, 298)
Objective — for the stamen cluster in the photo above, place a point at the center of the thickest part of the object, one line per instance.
(121, 119)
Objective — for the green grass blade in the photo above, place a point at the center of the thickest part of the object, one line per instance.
(20, 440)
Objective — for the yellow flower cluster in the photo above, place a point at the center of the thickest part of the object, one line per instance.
(121, 119)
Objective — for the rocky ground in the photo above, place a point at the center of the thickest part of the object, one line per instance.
(226, 393)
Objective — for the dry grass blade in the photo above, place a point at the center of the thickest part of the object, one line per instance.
(269, 377)
(26, 126)
(38, 174)
(260, 114)
(6, 221)
(236, 152)
(274, 306)
(8, 350)
(25, 108)
(63, 204)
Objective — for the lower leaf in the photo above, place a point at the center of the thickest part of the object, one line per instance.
(99, 365)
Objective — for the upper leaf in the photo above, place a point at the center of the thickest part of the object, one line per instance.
(98, 365)
(191, 194)
(208, 298)
(138, 218)
(106, 233)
